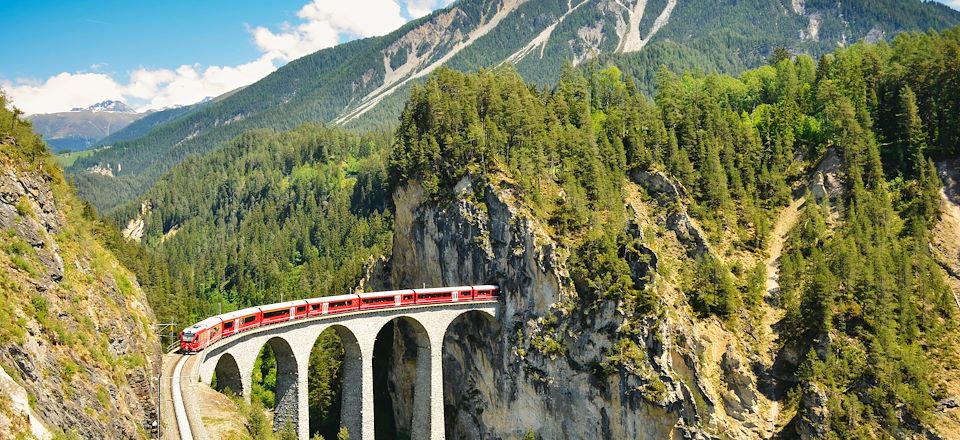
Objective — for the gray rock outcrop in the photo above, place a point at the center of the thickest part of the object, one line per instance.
(547, 367)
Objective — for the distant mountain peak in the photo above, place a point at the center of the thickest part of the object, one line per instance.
(110, 106)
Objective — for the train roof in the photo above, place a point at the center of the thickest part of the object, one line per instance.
(323, 299)
(486, 287)
(444, 289)
(240, 313)
(282, 305)
(385, 293)
(206, 323)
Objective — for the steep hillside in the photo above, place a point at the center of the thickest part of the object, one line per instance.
(631, 238)
(144, 124)
(270, 216)
(364, 83)
(77, 345)
(630, 241)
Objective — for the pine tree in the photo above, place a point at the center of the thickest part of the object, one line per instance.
(913, 138)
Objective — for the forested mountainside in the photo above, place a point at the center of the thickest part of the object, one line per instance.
(77, 343)
(146, 123)
(364, 83)
(770, 233)
(269, 216)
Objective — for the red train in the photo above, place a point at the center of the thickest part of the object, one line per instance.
(210, 330)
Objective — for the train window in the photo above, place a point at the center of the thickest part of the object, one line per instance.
(249, 319)
(314, 306)
(228, 325)
(187, 337)
(301, 309)
(276, 313)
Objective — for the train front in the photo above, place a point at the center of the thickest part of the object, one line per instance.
(188, 340)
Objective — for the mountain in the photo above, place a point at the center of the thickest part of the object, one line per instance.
(109, 106)
(83, 128)
(77, 349)
(146, 123)
(768, 255)
(363, 83)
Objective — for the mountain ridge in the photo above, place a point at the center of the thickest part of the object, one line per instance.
(81, 129)
(108, 106)
(363, 83)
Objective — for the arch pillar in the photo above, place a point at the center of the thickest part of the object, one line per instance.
(432, 361)
(289, 393)
(302, 418)
(366, 413)
(354, 371)
(356, 405)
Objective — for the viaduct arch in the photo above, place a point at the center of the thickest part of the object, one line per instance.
(232, 360)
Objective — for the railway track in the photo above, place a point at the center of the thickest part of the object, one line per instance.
(184, 429)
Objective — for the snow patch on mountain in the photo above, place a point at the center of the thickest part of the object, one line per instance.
(108, 106)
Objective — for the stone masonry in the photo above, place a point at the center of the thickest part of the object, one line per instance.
(233, 358)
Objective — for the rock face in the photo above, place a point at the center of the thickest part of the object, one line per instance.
(545, 366)
(75, 340)
(671, 193)
(827, 181)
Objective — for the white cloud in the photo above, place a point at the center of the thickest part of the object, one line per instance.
(955, 4)
(62, 92)
(419, 8)
(322, 23)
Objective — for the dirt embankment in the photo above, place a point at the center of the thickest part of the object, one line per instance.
(946, 235)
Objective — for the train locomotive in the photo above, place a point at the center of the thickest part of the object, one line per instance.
(204, 333)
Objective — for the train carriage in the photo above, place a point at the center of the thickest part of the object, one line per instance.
(210, 330)
(392, 298)
(485, 292)
(333, 304)
(444, 295)
(284, 311)
(240, 320)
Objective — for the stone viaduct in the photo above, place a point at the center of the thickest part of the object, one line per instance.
(232, 360)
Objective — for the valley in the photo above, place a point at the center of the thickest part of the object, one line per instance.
(701, 220)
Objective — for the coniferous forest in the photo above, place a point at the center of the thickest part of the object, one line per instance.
(704, 219)
(301, 213)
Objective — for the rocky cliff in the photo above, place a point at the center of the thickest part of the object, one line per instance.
(559, 363)
(76, 343)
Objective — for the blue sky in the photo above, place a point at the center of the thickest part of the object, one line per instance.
(154, 54)
(123, 35)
